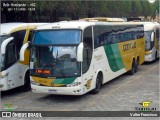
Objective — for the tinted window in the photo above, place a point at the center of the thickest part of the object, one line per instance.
(140, 32)
(19, 38)
(57, 37)
(87, 52)
(11, 55)
(102, 35)
(116, 34)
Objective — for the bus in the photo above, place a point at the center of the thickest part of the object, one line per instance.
(14, 73)
(151, 33)
(75, 57)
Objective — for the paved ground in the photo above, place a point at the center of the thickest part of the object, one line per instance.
(121, 94)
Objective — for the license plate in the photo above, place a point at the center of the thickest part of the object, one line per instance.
(52, 91)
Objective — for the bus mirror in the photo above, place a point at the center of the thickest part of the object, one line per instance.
(80, 52)
(4, 44)
(22, 51)
(152, 36)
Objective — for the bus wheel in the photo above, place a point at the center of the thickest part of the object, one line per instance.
(156, 56)
(132, 71)
(98, 84)
(136, 65)
(26, 87)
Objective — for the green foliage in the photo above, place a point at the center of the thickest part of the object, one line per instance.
(52, 11)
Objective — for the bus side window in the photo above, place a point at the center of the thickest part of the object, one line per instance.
(128, 36)
(116, 36)
(140, 33)
(134, 35)
(102, 35)
(96, 37)
(87, 52)
(11, 56)
(19, 39)
(122, 33)
(122, 37)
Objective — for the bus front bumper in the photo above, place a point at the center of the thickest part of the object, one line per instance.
(76, 90)
(149, 58)
(3, 84)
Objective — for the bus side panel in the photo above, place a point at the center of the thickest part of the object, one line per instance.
(114, 57)
(111, 62)
(132, 49)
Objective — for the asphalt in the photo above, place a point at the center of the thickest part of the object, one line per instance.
(123, 93)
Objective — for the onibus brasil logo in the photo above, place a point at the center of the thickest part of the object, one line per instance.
(145, 106)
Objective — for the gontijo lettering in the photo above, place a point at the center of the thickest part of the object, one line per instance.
(129, 46)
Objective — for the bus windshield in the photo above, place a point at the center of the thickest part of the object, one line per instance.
(2, 38)
(148, 39)
(57, 37)
(59, 61)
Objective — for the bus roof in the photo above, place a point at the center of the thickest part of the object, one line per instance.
(79, 24)
(148, 26)
(104, 19)
(7, 28)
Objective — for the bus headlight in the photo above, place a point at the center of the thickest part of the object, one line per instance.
(74, 84)
(4, 75)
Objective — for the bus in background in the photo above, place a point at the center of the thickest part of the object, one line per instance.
(103, 19)
(75, 57)
(151, 33)
(14, 73)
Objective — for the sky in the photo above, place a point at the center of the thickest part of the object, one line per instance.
(151, 1)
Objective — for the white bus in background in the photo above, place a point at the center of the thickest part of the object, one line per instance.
(14, 73)
(151, 33)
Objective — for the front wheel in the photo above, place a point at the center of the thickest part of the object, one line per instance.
(26, 87)
(98, 85)
(156, 56)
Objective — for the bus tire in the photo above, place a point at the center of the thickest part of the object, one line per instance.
(156, 56)
(98, 84)
(26, 87)
(132, 71)
(137, 65)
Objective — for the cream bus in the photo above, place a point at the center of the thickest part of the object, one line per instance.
(151, 33)
(14, 73)
(75, 57)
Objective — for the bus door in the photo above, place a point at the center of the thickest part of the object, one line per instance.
(87, 69)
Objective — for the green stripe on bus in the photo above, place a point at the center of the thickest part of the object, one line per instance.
(117, 56)
(111, 58)
(64, 80)
(114, 57)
